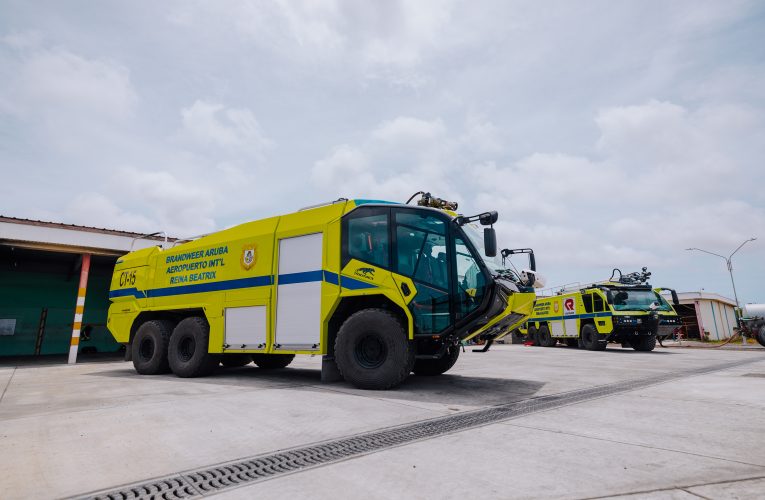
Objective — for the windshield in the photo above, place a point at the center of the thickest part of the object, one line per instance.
(637, 300)
(475, 233)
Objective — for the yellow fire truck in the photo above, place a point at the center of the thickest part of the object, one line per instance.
(379, 289)
(625, 310)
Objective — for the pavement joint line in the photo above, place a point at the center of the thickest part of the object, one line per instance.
(683, 488)
(627, 443)
(694, 494)
(8, 384)
(246, 471)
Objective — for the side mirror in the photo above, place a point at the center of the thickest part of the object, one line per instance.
(675, 300)
(490, 241)
(488, 218)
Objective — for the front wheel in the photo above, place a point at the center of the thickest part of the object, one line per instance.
(531, 335)
(372, 350)
(644, 343)
(440, 365)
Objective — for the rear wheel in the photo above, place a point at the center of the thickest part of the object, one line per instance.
(187, 353)
(644, 343)
(591, 339)
(372, 350)
(149, 347)
(235, 360)
(438, 366)
(545, 339)
(272, 361)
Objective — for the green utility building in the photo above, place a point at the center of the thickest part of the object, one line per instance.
(41, 267)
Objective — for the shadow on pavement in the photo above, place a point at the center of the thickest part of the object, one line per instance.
(444, 389)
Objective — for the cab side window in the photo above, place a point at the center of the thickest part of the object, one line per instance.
(471, 283)
(587, 301)
(366, 237)
(598, 303)
(421, 249)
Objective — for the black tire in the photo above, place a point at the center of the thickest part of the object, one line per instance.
(545, 339)
(372, 350)
(149, 347)
(432, 367)
(760, 336)
(272, 361)
(572, 342)
(187, 353)
(644, 343)
(591, 339)
(531, 334)
(235, 360)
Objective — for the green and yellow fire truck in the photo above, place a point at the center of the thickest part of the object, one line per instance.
(379, 289)
(625, 310)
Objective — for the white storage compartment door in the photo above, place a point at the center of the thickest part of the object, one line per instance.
(298, 294)
(557, 328)
(571, 329)
(246, 328)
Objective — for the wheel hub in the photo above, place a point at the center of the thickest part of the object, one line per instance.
(186, 348)
(370, 352)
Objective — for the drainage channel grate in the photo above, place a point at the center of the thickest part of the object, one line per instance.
(210, 480)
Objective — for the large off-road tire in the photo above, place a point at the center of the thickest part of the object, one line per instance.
(591, 339)
(545, 339)
(272, 361)
(235, 360)
(644, 343)
(149, 347)
(372, 350)
(760, 336)
(438, 366)
(532, 335)
(187, 352)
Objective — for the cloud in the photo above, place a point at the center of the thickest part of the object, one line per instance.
(52, 82)
(233, 129)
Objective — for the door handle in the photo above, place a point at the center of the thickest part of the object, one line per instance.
(406, 290)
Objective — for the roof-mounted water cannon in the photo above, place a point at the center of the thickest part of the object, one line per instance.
(428, 200)
(636, 278)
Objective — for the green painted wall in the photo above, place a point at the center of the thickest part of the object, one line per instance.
(32, 280)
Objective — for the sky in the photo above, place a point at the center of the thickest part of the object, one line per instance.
(607, 134)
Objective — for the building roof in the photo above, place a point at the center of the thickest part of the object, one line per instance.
(71, 238)
(687, 297)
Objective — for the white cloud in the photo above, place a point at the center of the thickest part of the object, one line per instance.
(57, 81)
(408, 130)
(234, 129)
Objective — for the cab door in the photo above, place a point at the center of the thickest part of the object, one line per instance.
(423, 252)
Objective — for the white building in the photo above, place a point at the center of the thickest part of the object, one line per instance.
(707, 315)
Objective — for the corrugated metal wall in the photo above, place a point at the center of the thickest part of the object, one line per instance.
(39, 290)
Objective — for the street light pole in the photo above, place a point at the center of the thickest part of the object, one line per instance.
(729, 264)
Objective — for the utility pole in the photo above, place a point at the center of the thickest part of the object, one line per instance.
(729, 264)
